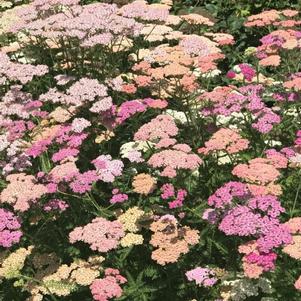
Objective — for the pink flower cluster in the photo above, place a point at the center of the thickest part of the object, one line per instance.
(224, 195)
(245, 220)
(163, 126)
(202, 276)
(10, 232)
(140, 10)
(92, 24)
(240, 210)
(16, 102)
(241, 221)
(256, 216)
(82, 182)
(55, 204)
(225, 101)
(101, 234)
(267, 261)
(298, 139)
(254, 261)
(168, 192)
(118, 197)
(172, 160)
(79, 124)
(246, 70)
(68, 140)
(107, 169)
(80, 92)
(108, 287)
(266, 203)
(121, 72)
(162, 129)
(128, 108)
(19, 72)
(275, 44)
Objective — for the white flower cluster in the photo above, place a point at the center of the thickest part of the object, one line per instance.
(239, 118)
(178, 116)
(133, 150)
(241, 289)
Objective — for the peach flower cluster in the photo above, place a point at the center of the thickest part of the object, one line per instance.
(227, 140)
(261, 174)
(294, 249)
(22, 191)
(170, 240)
(144, 183)
(274, 44)
(298, 284)
(257, 171)
(166, 69)
(294, 83)
(273, 17)
(196, 19)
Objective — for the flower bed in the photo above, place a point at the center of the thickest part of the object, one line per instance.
(149, 152)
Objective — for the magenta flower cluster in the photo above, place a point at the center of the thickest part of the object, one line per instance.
(10, 232)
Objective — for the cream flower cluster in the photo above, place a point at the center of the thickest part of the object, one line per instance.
(130, 222)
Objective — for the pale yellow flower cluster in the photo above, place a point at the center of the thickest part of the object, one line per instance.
(11, 265)
(130, 221)
(121, 44)
(197, 19)
(104, 136)
(130, 218)
(62, 280)
(131, 239)
(244, 288)
(5, 4)
(8, 18)
(61, 115)
(44, 131)
(155, 32)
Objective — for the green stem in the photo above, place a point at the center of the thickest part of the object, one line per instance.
(40, 283)
(296, 197)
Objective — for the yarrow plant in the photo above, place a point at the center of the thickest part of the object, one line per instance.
(150, 150)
